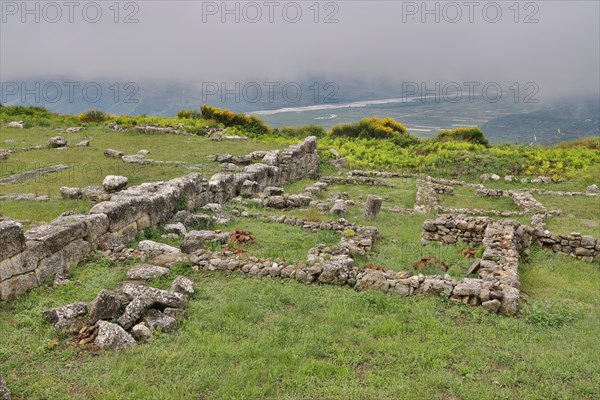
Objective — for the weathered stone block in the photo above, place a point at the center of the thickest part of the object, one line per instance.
(11, 238)
(17, 284)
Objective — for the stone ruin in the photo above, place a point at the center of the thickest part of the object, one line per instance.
(505, 242)
(32, 258)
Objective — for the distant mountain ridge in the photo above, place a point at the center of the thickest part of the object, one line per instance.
(504, 121)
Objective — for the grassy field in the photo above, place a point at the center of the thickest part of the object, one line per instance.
(273, 339)
(89, 166)
(467, 197)
(579, 214)
(267, 338)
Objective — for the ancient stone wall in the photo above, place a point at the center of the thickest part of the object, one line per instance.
(583, 247)
(451, 229)
(32, 258)
(505, 242)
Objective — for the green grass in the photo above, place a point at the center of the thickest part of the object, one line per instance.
(89, 166)
(465, 197)
(579, 214)
(280, 241)
(247, 338)
(38, 211)
(568, 186)
(274, 339)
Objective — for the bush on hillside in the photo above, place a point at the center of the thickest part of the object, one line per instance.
(91, 116)
(301, 132)
(376, 128)
(467, 134)
(248, 123)
(189, 114)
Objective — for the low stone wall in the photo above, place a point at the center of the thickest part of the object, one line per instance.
(32, 258)
(381, 174)
(526, 202)
(451, 229)
(561, 193)
(505, 242)
(355, 180)
(583, 247)
(28, 175)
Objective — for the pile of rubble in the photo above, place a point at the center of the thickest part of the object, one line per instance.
(118, 319)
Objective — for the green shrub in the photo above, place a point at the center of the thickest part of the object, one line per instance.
(301, 132)
(467, 134)
(376, 128)
(35, 116)
(91, 116)
(248, 123)
(189, 114)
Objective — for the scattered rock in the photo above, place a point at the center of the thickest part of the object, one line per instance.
(274, 191)
(4, 392)
(141, 333)
(183, 285)
(339, 208)
(113, 337)
(135, 309)
(194, 240)
(4, 155)
(68, 319)
(107, 305)
(212, 207)
(61, 279)
(176, 313)
(113, 126)
(156, 319)
(94, 193)
(177, 228)
(75, 129)
(592, 189)
(70, 193)
(150, 246)
(491, 305)
(168, 259)
(113, 153)
(144, 152)
(494, 177)
(56, 142)
(113, 183)
(134, 159)
(146, 272)
(83, 143)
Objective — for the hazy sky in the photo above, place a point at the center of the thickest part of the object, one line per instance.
(379, 40)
